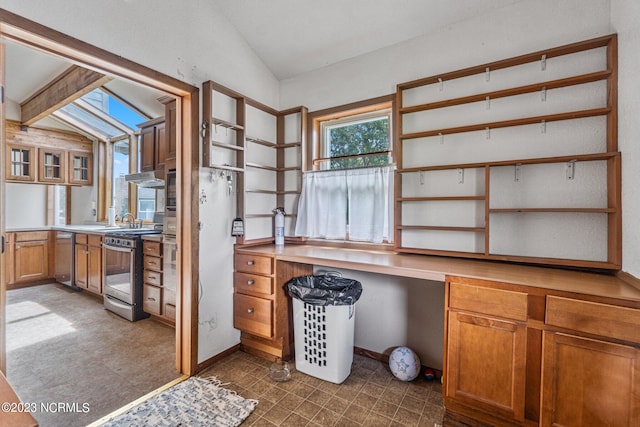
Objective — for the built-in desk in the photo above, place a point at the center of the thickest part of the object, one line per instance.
(523, 345)
(437, 268)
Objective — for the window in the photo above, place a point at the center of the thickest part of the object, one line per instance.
(347, 194)
(120, 188)
(351, 141)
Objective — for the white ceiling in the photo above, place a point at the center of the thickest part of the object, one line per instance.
(297, 36)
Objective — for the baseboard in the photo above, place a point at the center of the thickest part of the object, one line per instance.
(384, 358)
(207, 363)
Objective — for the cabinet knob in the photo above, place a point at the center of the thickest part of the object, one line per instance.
(250, 282)
(251, 262)
(250, 310)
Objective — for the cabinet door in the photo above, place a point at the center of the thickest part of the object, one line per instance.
(588, 382)
(485, 364)
(80, 168)
(171, 129)
(20, 163)
(160, 146)
(31, 260)
(52, 166)
(94, 267)
(147, 149)
(81, 266)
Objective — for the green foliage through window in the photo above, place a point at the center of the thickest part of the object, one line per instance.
(358, 143)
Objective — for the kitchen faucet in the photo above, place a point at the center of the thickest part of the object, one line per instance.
(132, 221)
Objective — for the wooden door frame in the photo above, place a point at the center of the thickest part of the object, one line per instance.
(21, 30)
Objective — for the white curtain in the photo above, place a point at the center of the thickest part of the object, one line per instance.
(322, 209)
(370, 207)
(360, 197)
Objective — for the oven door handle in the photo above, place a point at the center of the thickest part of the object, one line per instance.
(117, 248)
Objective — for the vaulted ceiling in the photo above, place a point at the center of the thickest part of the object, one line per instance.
(297, 36)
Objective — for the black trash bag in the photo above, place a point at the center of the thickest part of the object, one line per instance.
(325, 289)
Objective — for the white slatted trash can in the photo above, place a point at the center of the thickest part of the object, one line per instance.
(323, 338)
(324, 324)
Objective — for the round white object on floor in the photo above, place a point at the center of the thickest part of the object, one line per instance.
(404, 364)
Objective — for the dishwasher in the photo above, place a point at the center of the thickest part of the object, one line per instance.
(64, 266)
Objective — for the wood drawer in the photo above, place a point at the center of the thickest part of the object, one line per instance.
(253, 264)
(253, 315)
(31, 236)
(594, 318)
(170, 311)
(253, 284)
(94, 240)
(494, 302)
(152, 303)
(152, 248)
(152, 277)
(81, 239)
(152, 263)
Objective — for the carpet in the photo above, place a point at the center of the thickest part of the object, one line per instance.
(193, 402)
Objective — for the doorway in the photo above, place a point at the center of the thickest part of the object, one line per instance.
(36, 36)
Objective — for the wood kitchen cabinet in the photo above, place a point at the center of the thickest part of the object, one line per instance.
(20, 163)
(521, 355)
(88, 262)
(158, 300)
(590, 380)
(261, 309)
(80, 168)
(27, 257)
(486, 349)
(153, 145)
(52, 166)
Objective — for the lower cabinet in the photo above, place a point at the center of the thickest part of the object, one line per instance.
(28, 257)
(589, 382)
(261, 306)
(486, 364)
(525, 356)
(158, 300)
(88, 262)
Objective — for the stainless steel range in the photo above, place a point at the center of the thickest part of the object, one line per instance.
(123, 272)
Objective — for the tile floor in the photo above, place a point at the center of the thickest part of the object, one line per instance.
(370, 396)
(63, 346)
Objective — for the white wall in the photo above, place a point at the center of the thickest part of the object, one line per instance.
(625, 16)
(26, 205)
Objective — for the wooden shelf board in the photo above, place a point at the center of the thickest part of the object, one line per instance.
(553, 210)
(226, 124)
(258, 166)
(509, 123)
(540, 160)
(260, 141)
(227, 146)
(248, 190)
(226, 168)
(439, 199)
(441, 228)
(535, 87)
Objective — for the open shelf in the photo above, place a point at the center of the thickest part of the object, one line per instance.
(558, 205)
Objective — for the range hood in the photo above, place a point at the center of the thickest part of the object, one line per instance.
(150, 179)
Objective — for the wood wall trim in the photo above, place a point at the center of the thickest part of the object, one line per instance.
(629, 278)
(73, 83)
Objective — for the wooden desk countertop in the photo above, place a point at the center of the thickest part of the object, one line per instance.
(436, 268)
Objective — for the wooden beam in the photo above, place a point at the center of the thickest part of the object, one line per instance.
(67, 87)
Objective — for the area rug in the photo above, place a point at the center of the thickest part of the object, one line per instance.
(193, 402)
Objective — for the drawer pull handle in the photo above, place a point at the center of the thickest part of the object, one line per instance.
(151, 299)
(251, 262)
(250, 282)
(250, 310)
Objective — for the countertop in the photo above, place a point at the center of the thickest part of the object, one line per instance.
(436, 268)
(81, 228)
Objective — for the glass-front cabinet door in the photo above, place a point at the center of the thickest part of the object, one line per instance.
(80, 168)
(20, 162)
(52, 165)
